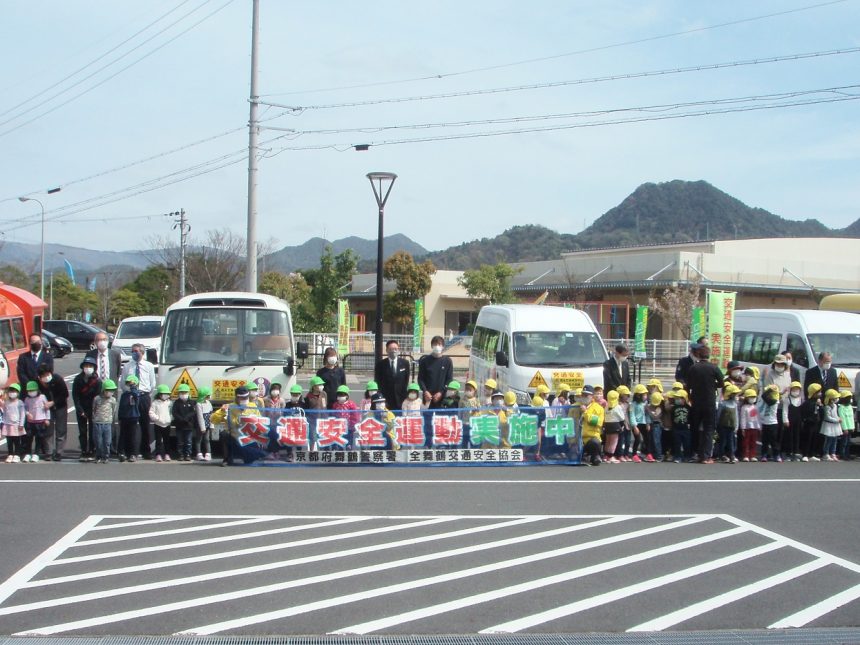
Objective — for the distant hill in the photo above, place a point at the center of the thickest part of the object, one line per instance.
(307, 255)
(26, 256)
(674, 211)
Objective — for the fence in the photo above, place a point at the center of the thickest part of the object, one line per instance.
(661, 355)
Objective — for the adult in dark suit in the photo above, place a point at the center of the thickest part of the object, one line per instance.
(29, 363)
(689, 360)
(824, 374)
(616, 370)
(392, 376)
(108, 360)
(704, 380)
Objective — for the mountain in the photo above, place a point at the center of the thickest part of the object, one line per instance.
(307, 255)
(674, 211)
(26, 257)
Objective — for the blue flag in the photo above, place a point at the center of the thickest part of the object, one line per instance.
(70, 271)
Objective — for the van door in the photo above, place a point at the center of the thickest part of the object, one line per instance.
(503, 371)
(797, 346)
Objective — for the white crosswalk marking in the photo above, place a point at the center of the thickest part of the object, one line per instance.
(413, 573)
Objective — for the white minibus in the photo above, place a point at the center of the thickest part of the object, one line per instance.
(524, 346)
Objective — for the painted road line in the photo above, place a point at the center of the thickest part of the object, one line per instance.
(426, 482)
(524, 587)
(23, 575)
(338, 575)
(433, 580)
(699, 608)
(271, 588)
(806, 616)
(236, 552)
(625, 592)
(155, 520)
(187, 529)
(202, 541)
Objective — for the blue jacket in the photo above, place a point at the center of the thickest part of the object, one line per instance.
(129, 407)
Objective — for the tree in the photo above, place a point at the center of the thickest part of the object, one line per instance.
(125, 303)
(72, 300)
(675, 305)
(491, 283)
(327, 283)
(14, 276)
(157, 286)
(413, 282)
(297, 292)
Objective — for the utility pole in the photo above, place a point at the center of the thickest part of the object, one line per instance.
(253, 133)
(181, 222)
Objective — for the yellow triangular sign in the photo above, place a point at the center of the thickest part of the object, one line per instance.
(537, 379)
(185, 378)
(844, 383)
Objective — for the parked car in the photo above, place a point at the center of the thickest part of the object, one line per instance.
(139, 329)
(81, 334)
(58, 345)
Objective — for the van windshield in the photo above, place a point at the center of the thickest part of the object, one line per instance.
(558, 348)
(845, 348)
(139, 329)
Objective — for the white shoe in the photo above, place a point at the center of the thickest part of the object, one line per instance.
(805, 459)
(16, 459)
(207, 456)
(10, 459)
(814, 459)
(27, 459)
(199, 456)
(34, 459)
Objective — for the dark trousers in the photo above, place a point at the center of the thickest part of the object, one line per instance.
(770, 441)
(810, 441)
(144, 402)
(39, 434)
(591, 451)
(85, 434)
(129, 437)
(60, 420)
(13, 446)
(226, 446)
(183, 441)
(790, 441)
(703, 421)
(162, 439)
(682, 443)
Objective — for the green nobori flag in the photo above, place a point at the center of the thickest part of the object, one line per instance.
(697, 324)
(418, 326)
(641, 329)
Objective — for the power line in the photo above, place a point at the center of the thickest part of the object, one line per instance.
(580, 81)
(562, 55)
(115, 74)
(341, 147)
(95, 60)
(590, 113)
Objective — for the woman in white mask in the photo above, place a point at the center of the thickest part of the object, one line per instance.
(333, 374)
(778, 374)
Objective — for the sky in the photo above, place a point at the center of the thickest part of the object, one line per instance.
(190, 82)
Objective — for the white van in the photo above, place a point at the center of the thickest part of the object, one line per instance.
(523, 346)
(138, 329)
(761, 334)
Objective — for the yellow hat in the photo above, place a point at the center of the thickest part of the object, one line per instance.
(640, 389)
(831, 395)
(537, 401)
(731, 389)
(677, 385)
(542, 389)
(472, 385)
(681, 394)
(510, 398)
(491, 383)
(813, 389)
(750, 393)
(796, 384)
(845, 394)
(612, 398)
(563, 387)
(622, 389)
(577, 392)
(656, 398)
(773, 387)
(655, 382)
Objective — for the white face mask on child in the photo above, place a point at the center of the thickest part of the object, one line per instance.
(12, 395)
(412, 396)
(341, 399)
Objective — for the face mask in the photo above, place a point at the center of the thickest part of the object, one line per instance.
(12, 396)
(370, 393)
(751, 399)
(102, 345)
(779, 369)
(107, 393)
(275, 393)
(47, 379)
(295, 397)
(412, 396)
(317, 389)
(497, 403)
(379, 406)
(166, 397)
(331, 360)
(450, 393)
(88, 371)
(32, 394)
(735, 373)
(341, 399)
(795, 394)
(183, 396)
(35, 346)
(392, 355)
(135, 356)
(788, 362)
(242, 400)
(827, 366)
(436, 349)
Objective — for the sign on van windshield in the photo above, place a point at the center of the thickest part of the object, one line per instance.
(557, 348)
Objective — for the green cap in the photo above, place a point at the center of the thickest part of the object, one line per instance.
(316, 380)
(183, 388)
(108, 384)
(32, 385)
(296, 389)
(15, 387)
(454, 385)
(203, 392)
(131, 378)
(343, 389)
(163, 389)
(251, 386)
(413, 387)
(372, 385)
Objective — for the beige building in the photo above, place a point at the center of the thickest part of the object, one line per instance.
(791, 273)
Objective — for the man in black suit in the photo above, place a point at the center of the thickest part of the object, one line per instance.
(616, 370)
(29, 363)
(689, 360)
(108, 360)
(824, 374)
(392, 376)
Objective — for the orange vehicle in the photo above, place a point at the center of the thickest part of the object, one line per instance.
(21, 314)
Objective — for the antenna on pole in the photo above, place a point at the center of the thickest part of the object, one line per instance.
(253, 133)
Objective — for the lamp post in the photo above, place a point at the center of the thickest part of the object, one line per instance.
(42, 253)
(382, 182)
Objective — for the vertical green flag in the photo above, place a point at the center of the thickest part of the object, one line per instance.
(641, 328)
(418, 326)
(342, 327)
(721, 323)
(697, 325)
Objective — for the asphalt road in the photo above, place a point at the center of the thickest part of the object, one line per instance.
(151, 548)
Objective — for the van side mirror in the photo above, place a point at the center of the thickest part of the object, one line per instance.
(290, 367)
(301, 350)
(501, 359)
(152, 355)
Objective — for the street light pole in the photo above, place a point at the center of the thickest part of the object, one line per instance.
(253, 133)
(181, 222)
(381, 182)
(42, 253)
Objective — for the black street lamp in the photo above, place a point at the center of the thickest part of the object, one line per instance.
(382, 183)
